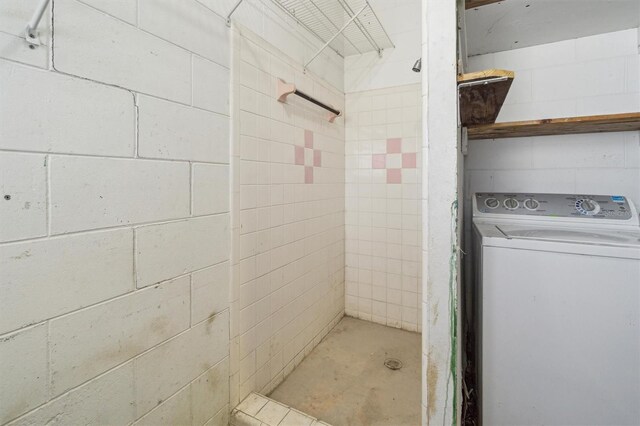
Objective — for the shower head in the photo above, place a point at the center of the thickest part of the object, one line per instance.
(417, 66)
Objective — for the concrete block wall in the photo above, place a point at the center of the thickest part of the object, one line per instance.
(383, 209)
(287, 216)
(114, 218)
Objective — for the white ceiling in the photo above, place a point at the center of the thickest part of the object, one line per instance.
(512, 24)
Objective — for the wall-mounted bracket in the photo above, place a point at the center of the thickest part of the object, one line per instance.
(31, 31)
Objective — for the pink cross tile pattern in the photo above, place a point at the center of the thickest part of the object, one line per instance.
(391, 160)
(307, 156)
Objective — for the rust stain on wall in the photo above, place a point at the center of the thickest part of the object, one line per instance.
(432, 384)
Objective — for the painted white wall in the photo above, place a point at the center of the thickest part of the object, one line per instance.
(115, 229)
(401, 20)
(288, 217)
(115, 241)
(441, 159)
(591, 75)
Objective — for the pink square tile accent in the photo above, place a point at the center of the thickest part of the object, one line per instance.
(394, 145)
(308, 174)
(308, 139)
(299, 155)
(394, 175)
(409, 160)
(317, 158)
(379, 161)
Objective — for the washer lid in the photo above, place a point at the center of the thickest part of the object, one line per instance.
(574, 235)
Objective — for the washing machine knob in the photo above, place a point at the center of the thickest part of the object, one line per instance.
(511, 203)
(492, 203)
(531, 204)
(588, 205)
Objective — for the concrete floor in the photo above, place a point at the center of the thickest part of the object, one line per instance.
(343, 381)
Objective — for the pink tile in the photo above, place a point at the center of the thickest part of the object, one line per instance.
(308, 174)
(308, 139)
(394, 175)
(299, 155)
(409, 160)
(394, 145)
(317, 158)
(379, 161)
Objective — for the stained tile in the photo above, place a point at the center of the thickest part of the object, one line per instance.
(317, 158)
(294, 418)
(252, 404)
(272, 413)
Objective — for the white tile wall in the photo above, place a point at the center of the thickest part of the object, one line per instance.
(112, 326)
(288, 256)
(383, 226)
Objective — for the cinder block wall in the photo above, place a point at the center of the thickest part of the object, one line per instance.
(114, 214)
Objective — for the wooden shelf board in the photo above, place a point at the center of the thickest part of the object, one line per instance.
(557, 126)
(484, 74)
(471, 4)
(481, 103)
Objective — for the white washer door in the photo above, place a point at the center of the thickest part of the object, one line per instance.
(560, 338)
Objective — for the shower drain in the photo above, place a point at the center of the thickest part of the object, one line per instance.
(393, 364)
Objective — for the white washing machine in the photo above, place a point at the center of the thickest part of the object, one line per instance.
(557, 309)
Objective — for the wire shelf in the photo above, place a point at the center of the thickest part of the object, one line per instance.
(349, 27)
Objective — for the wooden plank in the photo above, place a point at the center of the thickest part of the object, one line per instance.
(481, 103)
(557, 126)
(471, 4)
(484, 74)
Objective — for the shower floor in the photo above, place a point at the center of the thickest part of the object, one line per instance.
(344, 381)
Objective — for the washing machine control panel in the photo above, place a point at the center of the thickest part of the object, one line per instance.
(585, 206)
